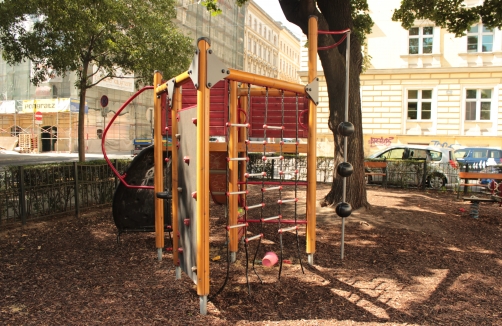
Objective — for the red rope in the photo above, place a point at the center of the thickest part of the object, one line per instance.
(103, 149)
(333, 45)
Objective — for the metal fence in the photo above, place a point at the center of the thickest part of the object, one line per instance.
(404, 174)
(34, 192)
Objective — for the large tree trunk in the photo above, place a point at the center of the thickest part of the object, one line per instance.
(335, 15)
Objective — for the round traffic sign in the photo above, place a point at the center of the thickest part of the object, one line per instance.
(104, 101)
(38, 115)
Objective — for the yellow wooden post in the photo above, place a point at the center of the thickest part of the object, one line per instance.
(233, 167)
(203, 177)
(176, 106)
(311, 140)
(158, 167)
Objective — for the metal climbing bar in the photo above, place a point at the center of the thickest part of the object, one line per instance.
(282, 201)
(271, 188)
(254, 206)
(258, 236)
(237, 226)
(250, 175)
(258, 142)
(273, 127)
(291, 228)
(229, 159)
(272, 158)
(244, 192)
(242, 125)
(271, 218)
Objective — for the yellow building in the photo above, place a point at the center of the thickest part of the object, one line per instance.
(425, 86)
(270, 49)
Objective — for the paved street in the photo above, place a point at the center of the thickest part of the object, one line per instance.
(8, 158)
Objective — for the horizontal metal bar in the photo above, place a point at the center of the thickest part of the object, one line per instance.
(258, 142)
(244, 192)
(271, 188)
(261, 174)
(237, 226)
(280, 201)
(272, 218)
(272, 158)
(254, 237)
(255, 206)
(288, 229)
(242, 125)
(273, 127)
(237, 159)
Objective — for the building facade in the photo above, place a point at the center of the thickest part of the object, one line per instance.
(270, 48)
(55, 99)
(426, 86)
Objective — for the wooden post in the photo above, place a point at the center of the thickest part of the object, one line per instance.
(203, 177)
(311, 147)
(158, 167)
(233, 167)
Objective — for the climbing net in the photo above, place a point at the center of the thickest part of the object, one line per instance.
(276, 188)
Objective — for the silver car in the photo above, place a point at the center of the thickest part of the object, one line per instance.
(405, 165)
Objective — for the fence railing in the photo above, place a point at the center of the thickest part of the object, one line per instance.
(33, 192)
(404, 174)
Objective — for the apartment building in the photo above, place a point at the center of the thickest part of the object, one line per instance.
(425, 86)
(270, 48)
(55, 99)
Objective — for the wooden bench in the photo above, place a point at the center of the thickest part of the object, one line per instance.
(466, 176)
(377, 165)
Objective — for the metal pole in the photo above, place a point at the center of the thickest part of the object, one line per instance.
(22, 195)
(75, 177)
(347, 80)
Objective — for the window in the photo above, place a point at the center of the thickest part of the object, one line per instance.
(419, 104)
(249, 45)
(420, 40)
(479, 39)
(396, 153)
(255, 25)
(478, 104)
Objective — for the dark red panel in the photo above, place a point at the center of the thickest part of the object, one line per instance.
(263, 111)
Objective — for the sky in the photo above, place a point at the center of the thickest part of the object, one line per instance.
(273, 9)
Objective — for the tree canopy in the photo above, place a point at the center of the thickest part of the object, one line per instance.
(453, 15)
(114, 36)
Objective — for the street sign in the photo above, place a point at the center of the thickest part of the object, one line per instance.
(38, 118)
(104, 101)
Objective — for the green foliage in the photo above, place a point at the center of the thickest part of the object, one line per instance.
(361, 18)
(69, 35)
(450, 14)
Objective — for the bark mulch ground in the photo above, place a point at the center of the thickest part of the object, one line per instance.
(416, 257)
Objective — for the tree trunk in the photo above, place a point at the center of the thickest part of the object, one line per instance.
(81, 112)
(335, 15)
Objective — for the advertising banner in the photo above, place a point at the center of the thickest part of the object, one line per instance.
(52, 105)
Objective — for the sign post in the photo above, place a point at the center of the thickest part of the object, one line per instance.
(38, 118)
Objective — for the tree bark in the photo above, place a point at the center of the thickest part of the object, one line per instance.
(334, 15)
(81, 112)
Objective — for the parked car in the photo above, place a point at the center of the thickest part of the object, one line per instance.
(479, 157)
(441, 163)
